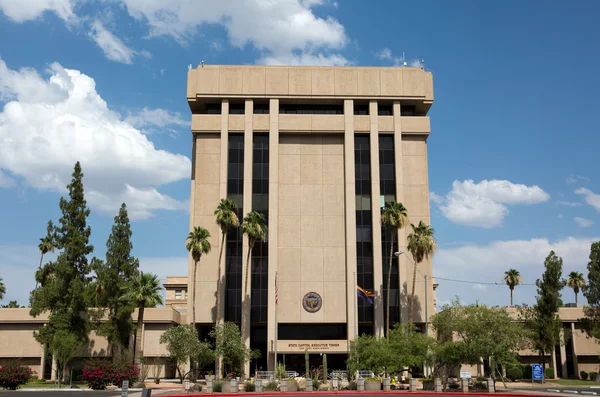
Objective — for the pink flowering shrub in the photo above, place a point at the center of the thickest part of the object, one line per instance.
(100, 373)
(14, 375)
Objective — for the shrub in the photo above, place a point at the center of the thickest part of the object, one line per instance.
(481, 379)
(316, 384)
(478, 385)
(197, 387)
(100, 373)
(352, 386)
(217, 387)
(249, 387)
(526, 371)
(549, 373)
(271, 386)
(584, 375)
(593, 376)
(14, 375)
(514, 373)
(372, 380)
(453, 385)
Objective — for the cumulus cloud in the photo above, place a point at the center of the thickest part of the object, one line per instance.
(576, 179)
(590, 197)
(568, 203)
(279, 29)
(153, 120)
(583, 222)
(5, 180)
(113, 47)
(488, 262)
(484, 204)
(21, 11)
(47, 124)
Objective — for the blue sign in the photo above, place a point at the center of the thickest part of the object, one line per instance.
(537, 372)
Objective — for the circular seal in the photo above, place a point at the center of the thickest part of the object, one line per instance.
(312, 302)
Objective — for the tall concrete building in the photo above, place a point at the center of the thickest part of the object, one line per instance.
(318, 151)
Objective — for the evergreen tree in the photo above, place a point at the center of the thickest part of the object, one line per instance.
(592, 292)
(113, 280)
(63, 283)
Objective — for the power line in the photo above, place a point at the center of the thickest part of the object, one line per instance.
(478, 282)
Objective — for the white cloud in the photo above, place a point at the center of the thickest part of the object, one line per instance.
(5, 180)
(305, 59)
(387, 55)
(483, 204)
(576, 179)
(153, 120)
(279, 29)
(583, 222)
(568, 203)
(590, 197)
(488, 262)
(113, 47)
(26, 10)
(49, 124)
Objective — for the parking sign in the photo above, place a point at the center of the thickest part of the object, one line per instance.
(537, 372)
(124, 388)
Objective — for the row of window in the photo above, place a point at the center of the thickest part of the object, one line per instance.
(263, 108)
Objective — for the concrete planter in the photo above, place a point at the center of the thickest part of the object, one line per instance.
(428, 385)
(360, 384)
(209, 386)
(230, 386)
(413, 384)
(386, 384)
(258, 385)
(465, 385)
(372, 385)
(209, 377)
(291, 385)
(491, 385)
(309, 384)
(438, 385)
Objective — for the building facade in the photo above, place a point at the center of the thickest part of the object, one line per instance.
(318, 151)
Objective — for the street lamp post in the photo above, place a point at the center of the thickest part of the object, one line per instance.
(397, 254)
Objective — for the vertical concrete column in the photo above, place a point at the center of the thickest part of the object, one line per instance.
(376, 219)
(554, 362)
(273, 223)
(574, 352)
(222, 195)
(563, 355)
(350, 213)
(404, 266)
(247, 200)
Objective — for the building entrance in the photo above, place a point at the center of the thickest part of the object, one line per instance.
(296, 362)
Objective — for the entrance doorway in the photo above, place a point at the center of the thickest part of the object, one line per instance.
(296, 362)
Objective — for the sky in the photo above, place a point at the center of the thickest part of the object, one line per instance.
(514, 130)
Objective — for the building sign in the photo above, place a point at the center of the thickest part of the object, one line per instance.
(312, 302)
(537, 372)
(465, 374)
(323, 346)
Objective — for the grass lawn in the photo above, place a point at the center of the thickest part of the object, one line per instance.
(574, 382)
(50, 385)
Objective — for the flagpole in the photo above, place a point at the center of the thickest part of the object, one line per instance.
(275, 333)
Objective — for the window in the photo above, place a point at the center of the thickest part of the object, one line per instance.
(178, 294)
(385, 110)
(408, 110)
(361, 110)
(310, 109)
(211, 108)
(237, 108)
(261, 108)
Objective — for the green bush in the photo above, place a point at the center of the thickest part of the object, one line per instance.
(316, 384)
(593, 376)
(217, 387)
(271, 386)
(197, 387)
(453, 385)
(480, 379)
(549, 373)
(478, 385)
(584, 375)
(514, 373)
(352, 386)
(526, 371)
(249, 387)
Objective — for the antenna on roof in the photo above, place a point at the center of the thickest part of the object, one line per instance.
(190, 66)
(403, 59)
(422, 64)
(202, 63)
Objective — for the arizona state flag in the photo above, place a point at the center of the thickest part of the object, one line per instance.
(364, 294)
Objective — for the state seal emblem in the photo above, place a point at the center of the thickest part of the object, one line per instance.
(312, 302)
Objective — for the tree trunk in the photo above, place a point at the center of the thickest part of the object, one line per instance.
(412, 294)
(194, 294)
(137, 344)
(218, 363)
(39, 267)
(575, 298)
(389, 281)
(246, 297)
(511, 296)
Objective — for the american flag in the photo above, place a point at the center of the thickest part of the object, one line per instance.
(276, 291)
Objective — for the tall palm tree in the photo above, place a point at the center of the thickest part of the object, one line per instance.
(226, 217)
(576, 281)
(512, 278)
(421, 245)
(394, 217)
(145, 292)
(46, 245)
(197, 244)
(255, 228)
(2, 289)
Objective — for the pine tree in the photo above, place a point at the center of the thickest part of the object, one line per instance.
(113, 280)
(64, 282)
(591, 291)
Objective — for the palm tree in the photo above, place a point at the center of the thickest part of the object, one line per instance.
(421, 245)
(145, 292)
(576, 281)
(2, 289)
(46, 245)
(226, 214)
(197, 244)
(255, 228)
(512, 278)
(393, 217)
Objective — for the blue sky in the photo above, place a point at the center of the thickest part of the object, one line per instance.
(511, 153)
